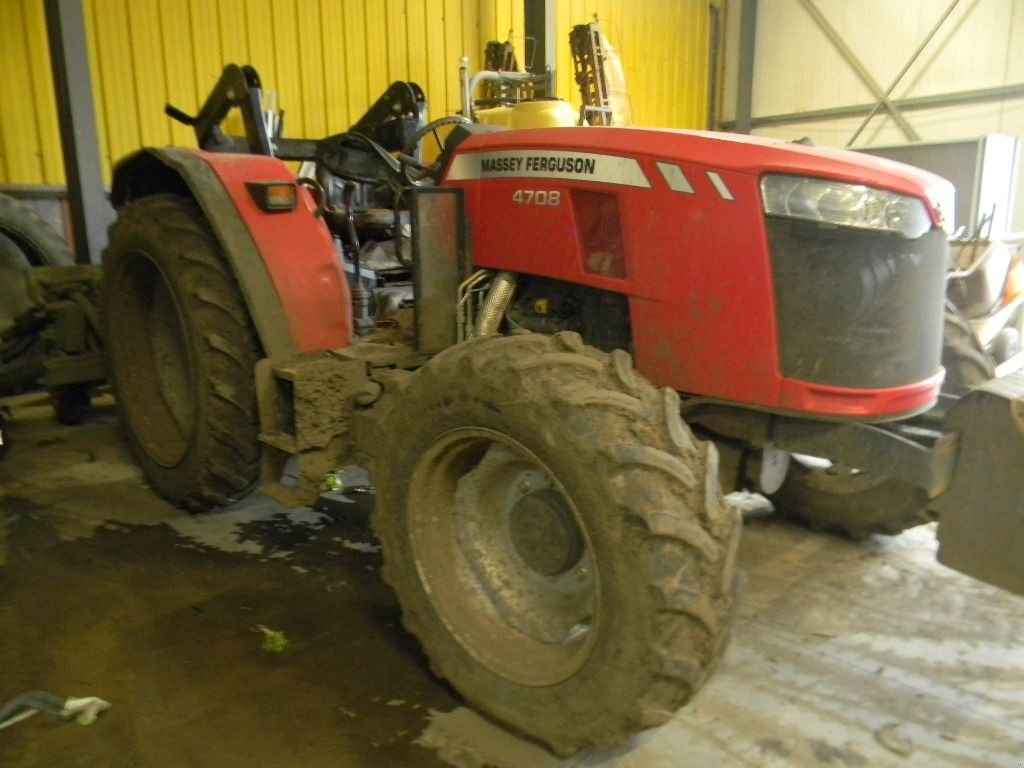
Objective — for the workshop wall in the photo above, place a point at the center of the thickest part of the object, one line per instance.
(798, 69)
(29, 134)
(327, 60)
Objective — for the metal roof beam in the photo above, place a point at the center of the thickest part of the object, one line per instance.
(862, 72)
(91, 212)
(907, 66)
(933, 101)
(745, 74)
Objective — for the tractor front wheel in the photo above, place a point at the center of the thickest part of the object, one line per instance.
(857, 504)
(849, 502)
(556, 537)
(181, 349)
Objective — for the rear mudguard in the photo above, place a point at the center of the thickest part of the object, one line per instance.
(285, 262)
(981, 515)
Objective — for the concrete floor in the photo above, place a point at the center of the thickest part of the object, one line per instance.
(843, 655)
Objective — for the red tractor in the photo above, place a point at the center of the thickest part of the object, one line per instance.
(555, 348)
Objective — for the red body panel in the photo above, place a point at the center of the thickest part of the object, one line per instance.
(297, 250)
(698, 273)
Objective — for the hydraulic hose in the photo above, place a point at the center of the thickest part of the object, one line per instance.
(82, 710)
(29, 704)
(360, 296)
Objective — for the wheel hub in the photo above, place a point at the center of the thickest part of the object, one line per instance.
(157, 391)
(544, 534)
(170, 360)
(503, 557)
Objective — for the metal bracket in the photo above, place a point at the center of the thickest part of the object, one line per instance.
(981, 517)
(441, 264)
(305, 409)
(912, 451)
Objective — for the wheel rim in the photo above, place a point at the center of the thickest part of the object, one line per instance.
(489, 522)
(157, 386)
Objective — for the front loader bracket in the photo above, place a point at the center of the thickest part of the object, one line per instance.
(981, 516)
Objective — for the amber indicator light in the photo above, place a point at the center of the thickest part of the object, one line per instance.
(273, 196)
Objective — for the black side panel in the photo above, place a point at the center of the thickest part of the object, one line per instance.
(857, 309)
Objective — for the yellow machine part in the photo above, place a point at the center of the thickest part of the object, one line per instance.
(545, 113)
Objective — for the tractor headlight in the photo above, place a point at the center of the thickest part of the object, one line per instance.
(845, 205)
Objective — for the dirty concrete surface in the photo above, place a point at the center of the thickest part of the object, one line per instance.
(843, 654)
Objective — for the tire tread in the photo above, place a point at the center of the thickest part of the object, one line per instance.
(222, 460)
(655, 468)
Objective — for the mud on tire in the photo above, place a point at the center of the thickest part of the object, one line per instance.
(850, 503)
(556, 537)
(181, 350)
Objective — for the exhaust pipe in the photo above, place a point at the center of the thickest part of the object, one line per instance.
(497, 301)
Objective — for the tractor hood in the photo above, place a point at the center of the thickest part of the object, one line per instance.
(737, 153)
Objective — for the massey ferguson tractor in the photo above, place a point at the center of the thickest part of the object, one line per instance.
(555, 348)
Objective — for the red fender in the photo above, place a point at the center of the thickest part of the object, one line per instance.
(286, 263)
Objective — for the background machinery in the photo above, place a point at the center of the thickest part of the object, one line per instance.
(559, 346)
(49, 319)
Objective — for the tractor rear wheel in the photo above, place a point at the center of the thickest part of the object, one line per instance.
(858, 504)
(181, 349)
(556, 537)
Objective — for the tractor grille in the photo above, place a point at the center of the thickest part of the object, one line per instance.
(857, 309)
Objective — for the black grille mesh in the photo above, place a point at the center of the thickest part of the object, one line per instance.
(857, 309)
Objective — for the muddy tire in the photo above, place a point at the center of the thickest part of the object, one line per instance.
(852, 504)
(181, 349)
(26, 241)
(963, 357)
(556, 537)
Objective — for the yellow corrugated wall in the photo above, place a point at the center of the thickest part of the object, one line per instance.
(29, 135)
(664, 46)
(326, 59)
